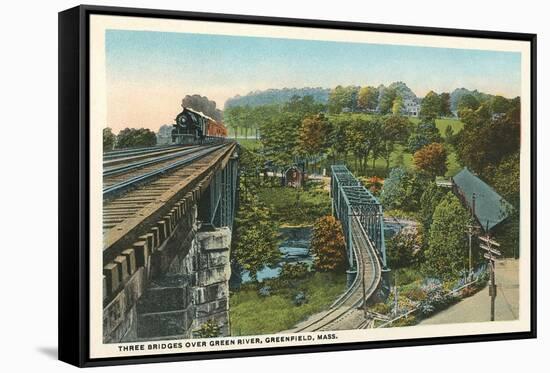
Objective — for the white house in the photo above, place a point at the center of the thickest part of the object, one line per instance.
(411, 107)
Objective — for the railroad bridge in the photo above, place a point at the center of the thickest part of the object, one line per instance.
(362, 220)
(167, 219)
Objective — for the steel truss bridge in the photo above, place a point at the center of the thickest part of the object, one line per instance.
(362, 221)
(351, 202)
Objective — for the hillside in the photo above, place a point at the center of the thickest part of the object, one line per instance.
(277, 96)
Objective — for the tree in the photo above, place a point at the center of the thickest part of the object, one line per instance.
(505, 178)
(500, 105)
(394, 190)
(445, 102)
(342, 98)
(430, 106)
(256, 236)
(280, 128)
(428, 202)
(328, 245)
(303, 106)
(403, 189)
(395, 130)
(402, 247)
(423, 134)
(431, 159)
(363, 136)
(486, 140)
(468, 102)
(446, 256)
(313, 135)
(337, 140)
(232, 118)
(367, 98)
(387, 98)
(135, 137)
(109, 139)
(397, 105)
(449, 134)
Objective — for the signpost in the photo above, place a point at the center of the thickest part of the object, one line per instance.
(491, 254)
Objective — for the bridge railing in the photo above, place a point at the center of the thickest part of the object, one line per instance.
(350, 199)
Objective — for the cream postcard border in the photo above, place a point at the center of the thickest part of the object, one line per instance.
(98, 114)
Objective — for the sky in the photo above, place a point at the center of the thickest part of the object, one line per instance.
(148, 73)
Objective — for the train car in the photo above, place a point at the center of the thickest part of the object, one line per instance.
(193, 127)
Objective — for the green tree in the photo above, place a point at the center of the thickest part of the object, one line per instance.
(500, 105)
(328, 245)
(403, 189)
(485, 140)
(256, 236)
(402, 247)
(395, 130)
(109, 139)
(209, 329)
(341, 98)
(431, 159)
(505, 179)
(387, 98)
(430, 106)
(397, 105)
(135, 137)
(428, 202)
(363, 137)
(446, 256)
(468, 102)
(445, 101)
(337, 139)
(367, 98)
(449, 134)
(232, 118)
(423, 134)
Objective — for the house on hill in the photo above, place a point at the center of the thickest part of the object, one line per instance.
(411, 107)
(485, 204)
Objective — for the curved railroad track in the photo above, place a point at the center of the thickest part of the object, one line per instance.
(344, 313)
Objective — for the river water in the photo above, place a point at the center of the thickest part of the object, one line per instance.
(294, 247)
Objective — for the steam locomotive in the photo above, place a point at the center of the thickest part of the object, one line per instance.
(193, 127)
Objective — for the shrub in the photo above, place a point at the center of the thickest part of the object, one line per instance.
(415, 294)
(294, 271)
(436, 298)
(328, 244)
(382, 308)
(209, 329)
(405, 321)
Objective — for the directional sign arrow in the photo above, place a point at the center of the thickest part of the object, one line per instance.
(489, 241)
(488, 256)
(490, 249)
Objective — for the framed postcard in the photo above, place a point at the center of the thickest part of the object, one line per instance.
(234, 186)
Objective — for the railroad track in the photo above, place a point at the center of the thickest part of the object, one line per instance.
(344, 313)
(115, 154)
(141, 190)
(117, 179)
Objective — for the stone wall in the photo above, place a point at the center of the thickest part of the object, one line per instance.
(183, 284)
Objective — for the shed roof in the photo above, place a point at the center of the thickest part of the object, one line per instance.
(490, 208)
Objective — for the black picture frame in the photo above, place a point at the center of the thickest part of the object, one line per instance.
(74, 198)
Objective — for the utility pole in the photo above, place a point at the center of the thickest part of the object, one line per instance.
(491, 253)
(395, 295)
(472, 230)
